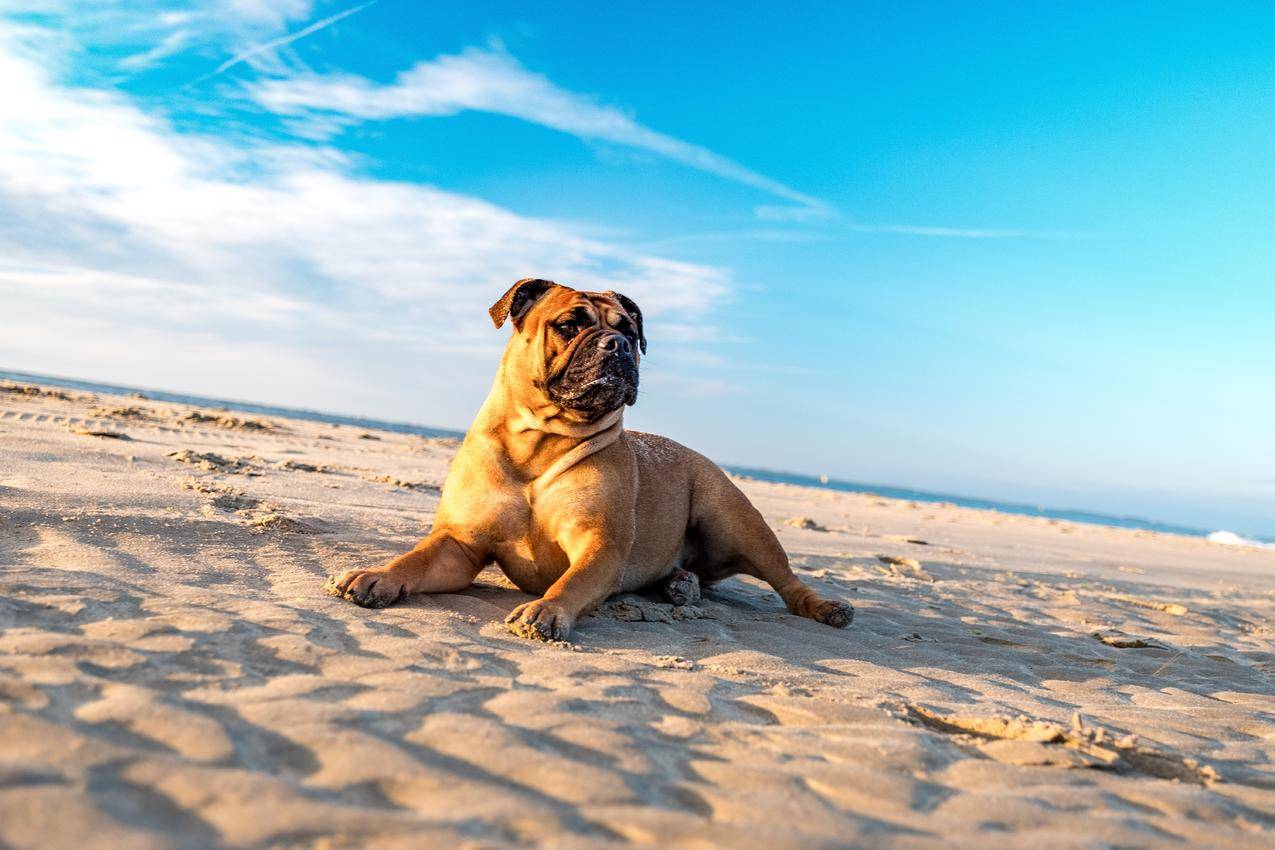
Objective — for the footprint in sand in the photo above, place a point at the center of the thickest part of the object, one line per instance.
(906, 567)
(212, 462)
(225, 420)
(1024, 740)
(109, 435)
(401, 484)
(34, 392)
(262, 517)
(300, 466)
(281, 524)
(805, 523)
(131, 413)
(1167, 607)
(1120, 640)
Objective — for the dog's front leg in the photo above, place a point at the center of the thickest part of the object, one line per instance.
(439, 564)
(596, 566)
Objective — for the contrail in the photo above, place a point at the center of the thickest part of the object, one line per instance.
(283, 41)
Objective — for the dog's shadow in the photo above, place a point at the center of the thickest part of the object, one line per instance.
(738, 613)
(937, 630)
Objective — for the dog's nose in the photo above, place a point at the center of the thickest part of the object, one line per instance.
(612, 343)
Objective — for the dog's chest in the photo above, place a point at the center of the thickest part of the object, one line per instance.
(532, 573)
(529, 554)
(508, 524)
(519, 524)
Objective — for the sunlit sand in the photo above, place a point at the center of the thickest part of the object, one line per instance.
(173, 675)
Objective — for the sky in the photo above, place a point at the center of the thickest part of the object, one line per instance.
(1017, 251)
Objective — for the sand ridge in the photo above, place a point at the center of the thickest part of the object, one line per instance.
(173, 675)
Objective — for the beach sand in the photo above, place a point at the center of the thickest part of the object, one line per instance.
(173, 675)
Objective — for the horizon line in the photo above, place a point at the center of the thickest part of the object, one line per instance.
(811, 480)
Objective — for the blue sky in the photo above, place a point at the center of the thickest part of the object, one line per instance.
(1020, 251)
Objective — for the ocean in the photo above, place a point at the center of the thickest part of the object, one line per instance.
(820, 482)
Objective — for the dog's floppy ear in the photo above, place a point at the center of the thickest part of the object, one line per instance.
(515, 303)
(636, 313)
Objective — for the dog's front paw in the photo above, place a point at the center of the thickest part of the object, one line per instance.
(540, 619)
(835, 614)
(371, 588)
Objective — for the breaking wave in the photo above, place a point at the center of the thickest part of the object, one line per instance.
(1230, 538)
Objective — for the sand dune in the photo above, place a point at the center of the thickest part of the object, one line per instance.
(173, 675)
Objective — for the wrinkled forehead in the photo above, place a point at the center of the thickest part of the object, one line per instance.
(562, 300)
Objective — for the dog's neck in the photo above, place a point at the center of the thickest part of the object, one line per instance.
(540, 440)
(549, 420)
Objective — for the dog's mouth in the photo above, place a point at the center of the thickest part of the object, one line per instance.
(595, 383)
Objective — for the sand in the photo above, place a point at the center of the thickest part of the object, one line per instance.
(173, 675)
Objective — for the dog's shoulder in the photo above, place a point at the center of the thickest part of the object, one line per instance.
(658, 450)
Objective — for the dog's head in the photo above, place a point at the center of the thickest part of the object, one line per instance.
(579, 350)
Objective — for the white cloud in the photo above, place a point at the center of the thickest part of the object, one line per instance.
(490, 80)
(170, 44)
(963, 232)
(124, 242)
(148, 34)
(283, 41)
(266, 14)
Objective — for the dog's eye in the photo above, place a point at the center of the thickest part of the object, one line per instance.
(568, 328)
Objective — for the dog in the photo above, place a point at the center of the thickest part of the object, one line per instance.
(550, 486)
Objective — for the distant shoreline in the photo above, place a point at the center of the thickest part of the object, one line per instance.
(801, 479)
(1068, 514)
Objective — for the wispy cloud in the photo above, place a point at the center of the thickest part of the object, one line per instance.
(171, 43)
(491, 80)
(317, 107)
(832, 221)
(197, 250)
(283, 41)
(108, 36)
(963, 232)
(266, 14)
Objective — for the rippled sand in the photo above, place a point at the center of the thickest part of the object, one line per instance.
(172, 674)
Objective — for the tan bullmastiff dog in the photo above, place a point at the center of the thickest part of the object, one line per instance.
(574, 508)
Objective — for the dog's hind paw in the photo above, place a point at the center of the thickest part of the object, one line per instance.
(682, 588)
